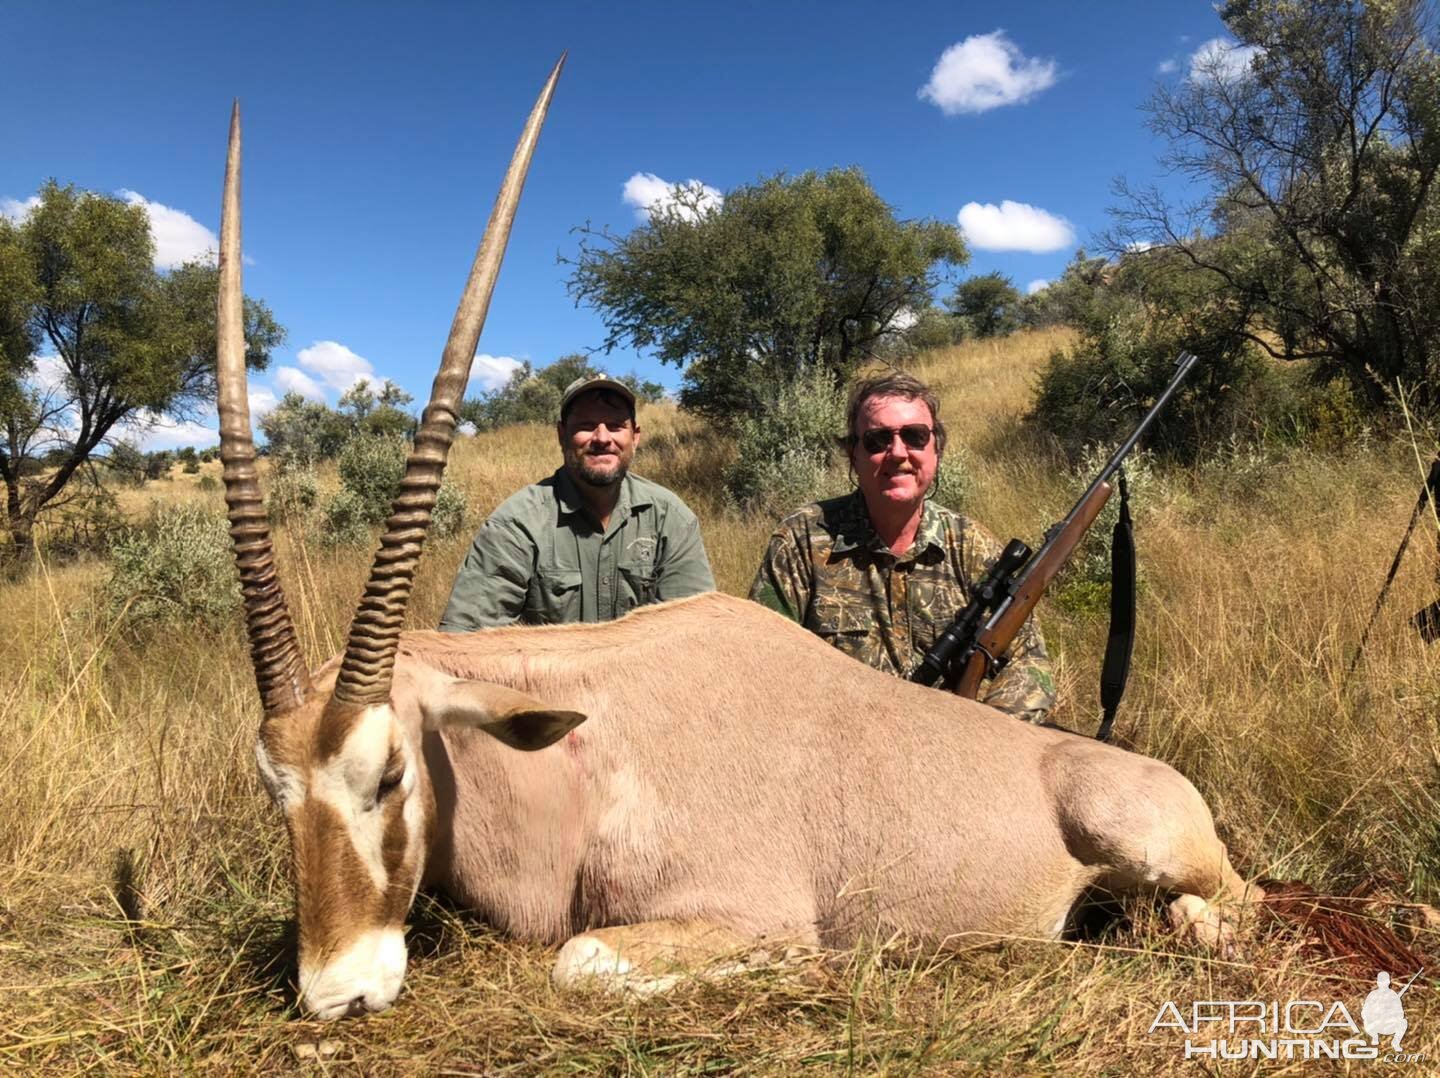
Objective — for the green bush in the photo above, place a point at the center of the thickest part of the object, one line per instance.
(785, 451)
(294, 493)
(345, 519)
(954, 482)
(1083, 587)
(87, 523)
(176, 569)
(371, 468)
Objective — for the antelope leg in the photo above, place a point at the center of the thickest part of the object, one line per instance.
(654, 956)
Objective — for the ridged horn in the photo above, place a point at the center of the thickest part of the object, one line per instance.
(274, 651)
(374, 637)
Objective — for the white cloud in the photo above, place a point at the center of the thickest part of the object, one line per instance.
(151, 432)
(1038, 285)
(262, 400)
(1137, 246)
(492, 372)
(49, 373)
(294, 380)
(986, 71)
(1222, 60)
(1014, 226)
(178, 236)
(1167, 67)
(335, 365)
(16, 210)
(649, 194)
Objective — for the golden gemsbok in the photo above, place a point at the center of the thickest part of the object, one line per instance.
(694, 776)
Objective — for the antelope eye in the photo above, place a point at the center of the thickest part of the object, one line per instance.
(390, 779)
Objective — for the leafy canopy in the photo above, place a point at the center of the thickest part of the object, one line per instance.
(785, 274)
(1315, 149)
(78, 283)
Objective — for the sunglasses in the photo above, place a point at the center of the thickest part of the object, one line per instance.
(914, 435)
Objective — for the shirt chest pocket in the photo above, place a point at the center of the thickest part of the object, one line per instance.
(554, 596)
(845, 625)
(640, 583)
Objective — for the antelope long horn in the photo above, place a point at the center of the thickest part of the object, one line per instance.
(369, 661)
(280, 669)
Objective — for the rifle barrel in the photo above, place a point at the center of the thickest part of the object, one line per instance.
(1183, 365)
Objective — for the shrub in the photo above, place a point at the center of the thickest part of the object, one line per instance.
(954, 482)
(176, 569)
(784, 452)
(1083, 587)
(345, 520)
(208, 483)
(371, 468)
(294, 493)
(89, 522)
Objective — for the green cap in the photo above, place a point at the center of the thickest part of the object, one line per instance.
(598, 381)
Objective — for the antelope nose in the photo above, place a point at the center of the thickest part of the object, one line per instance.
(357, 1008)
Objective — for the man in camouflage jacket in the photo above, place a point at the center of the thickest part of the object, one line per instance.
(880, 572)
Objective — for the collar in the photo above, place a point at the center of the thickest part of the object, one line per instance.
(854, 530)
(631, 499)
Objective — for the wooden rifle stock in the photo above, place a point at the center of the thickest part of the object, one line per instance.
(1000, 630)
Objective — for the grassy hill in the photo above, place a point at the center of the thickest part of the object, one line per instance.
(144, 878)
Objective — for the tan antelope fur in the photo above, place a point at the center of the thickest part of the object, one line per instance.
(693, 781)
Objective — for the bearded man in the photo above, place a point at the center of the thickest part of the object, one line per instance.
(880, 572)
(589, 543)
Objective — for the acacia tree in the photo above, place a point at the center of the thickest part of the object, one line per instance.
(785, 274)
(78, 283)
(990, 304)
(1315, 145)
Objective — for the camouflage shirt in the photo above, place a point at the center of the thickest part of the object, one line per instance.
(827, 569)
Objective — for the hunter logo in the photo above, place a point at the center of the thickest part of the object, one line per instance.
(1298, 1029)
(643, 549)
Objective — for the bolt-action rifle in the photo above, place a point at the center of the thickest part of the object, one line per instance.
(974, 646)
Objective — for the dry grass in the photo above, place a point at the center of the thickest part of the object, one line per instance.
(144, 895)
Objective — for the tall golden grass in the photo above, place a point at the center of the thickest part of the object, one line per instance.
(144, 892)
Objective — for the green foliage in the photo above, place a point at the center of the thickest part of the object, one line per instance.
(1083, 586)
(175, 570)
(303, 432)
(1317, 229)
(126, 464)
(533, 396)
(785, 451)
(788, 273)
(294, 492)
(87, 521)
(954, 479)
(371, 468)
(77, 279)
(989, 305)
(192, 467)
(935, 328)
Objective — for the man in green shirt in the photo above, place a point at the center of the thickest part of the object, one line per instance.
(589, 543)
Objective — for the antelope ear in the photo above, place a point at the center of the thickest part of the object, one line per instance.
(516, 718)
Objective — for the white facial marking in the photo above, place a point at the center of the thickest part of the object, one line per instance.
(281, 783)
(365, 977)
(347, 784)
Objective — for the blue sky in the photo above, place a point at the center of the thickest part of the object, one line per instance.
(376, 135)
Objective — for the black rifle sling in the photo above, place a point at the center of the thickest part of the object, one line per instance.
(1121, 643)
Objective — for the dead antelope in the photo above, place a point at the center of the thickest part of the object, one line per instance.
(736, 779)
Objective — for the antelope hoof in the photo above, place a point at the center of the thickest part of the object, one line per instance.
(1191, 915)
